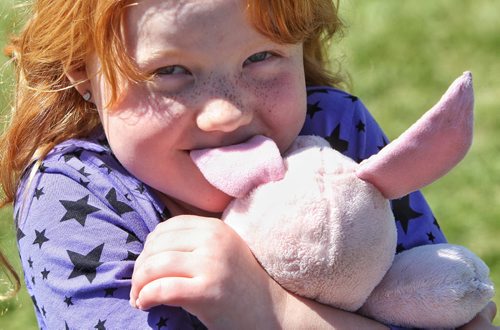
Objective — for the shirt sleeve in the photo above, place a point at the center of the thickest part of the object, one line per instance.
(345, 122)
(79, 233)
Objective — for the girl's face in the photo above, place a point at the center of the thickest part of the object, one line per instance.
(217, 82)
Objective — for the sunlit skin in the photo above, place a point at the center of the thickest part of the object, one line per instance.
(216, 81)
(214, 84)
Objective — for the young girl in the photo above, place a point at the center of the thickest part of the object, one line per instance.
(111, 97)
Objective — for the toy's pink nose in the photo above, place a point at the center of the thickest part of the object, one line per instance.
(236, 169)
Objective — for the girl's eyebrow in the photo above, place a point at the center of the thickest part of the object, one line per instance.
(156, 57)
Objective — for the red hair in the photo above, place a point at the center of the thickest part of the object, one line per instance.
(60, 36)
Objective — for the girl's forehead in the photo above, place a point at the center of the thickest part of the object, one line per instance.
(182, 12)
(181, 16)
(154, 25)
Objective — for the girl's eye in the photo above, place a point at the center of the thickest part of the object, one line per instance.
(171, 70)
(258, 57)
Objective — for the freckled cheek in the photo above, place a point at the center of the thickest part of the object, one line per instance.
(139, 127)
(282, 102)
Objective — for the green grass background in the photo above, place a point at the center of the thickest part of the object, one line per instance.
(401, 56)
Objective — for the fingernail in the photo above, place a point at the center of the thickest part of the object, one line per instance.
(138, 304)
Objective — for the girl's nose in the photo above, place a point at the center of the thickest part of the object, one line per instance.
(222, 115)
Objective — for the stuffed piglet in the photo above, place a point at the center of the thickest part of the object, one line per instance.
(321, 225)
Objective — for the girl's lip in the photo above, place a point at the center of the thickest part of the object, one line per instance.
(223, 144)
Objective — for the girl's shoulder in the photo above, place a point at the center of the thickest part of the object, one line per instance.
(85, 170)
(344, 121)
(331, 106)
(328, 96)
(91, 163)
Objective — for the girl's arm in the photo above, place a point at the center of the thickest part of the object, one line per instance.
(303, 313)
(82, 222)
(202, 265)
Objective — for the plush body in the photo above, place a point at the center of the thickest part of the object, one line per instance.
(321, 224)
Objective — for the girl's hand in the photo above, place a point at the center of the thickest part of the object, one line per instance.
(203, 266)
(484, 319)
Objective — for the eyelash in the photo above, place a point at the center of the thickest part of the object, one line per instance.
(171, 70)
(177, 69)
(258, 57)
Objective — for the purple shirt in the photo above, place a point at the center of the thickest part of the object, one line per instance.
(83, 221)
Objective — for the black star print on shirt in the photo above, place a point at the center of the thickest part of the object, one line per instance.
(403, 212)
(83, 183)
(336, 142)
(132, 238)
(119, 207)
(140, 188)
(107, 167)
(100, 325)
(40, 238)
(78, 210)
(109, 292)
(19, 234)
(42, 168)
(82, 172)
(431, 236)
(45, 274)
(73, 154)
(164, 215)
(436, 223)
(352, 98)
(68, 301)
(312, 109)
(33, 299)
(360, 126)
(38, 193)
(86, 264)
(131, 256)
(162, 323)
(317, 91)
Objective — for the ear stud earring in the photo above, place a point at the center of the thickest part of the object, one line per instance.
(87, 96)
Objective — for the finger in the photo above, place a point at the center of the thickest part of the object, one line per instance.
(167, 264)
(172, 291)
(180, 238)
(490, 310)
(183, 222)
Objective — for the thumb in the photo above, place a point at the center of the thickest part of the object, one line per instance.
(490, 311)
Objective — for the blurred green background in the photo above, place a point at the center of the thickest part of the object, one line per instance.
(401, 56)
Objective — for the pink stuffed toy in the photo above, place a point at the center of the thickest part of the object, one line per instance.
(321, 224)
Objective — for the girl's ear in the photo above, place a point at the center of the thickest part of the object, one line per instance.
(80, 80)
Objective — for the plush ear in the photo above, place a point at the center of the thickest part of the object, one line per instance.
(429, 148)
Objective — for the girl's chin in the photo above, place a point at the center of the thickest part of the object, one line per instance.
(211, 207)
(215, 206)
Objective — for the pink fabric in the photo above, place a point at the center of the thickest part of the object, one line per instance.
(237, 169)
(429, 148)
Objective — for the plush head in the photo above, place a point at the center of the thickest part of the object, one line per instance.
(321, 224)
(288, 225)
